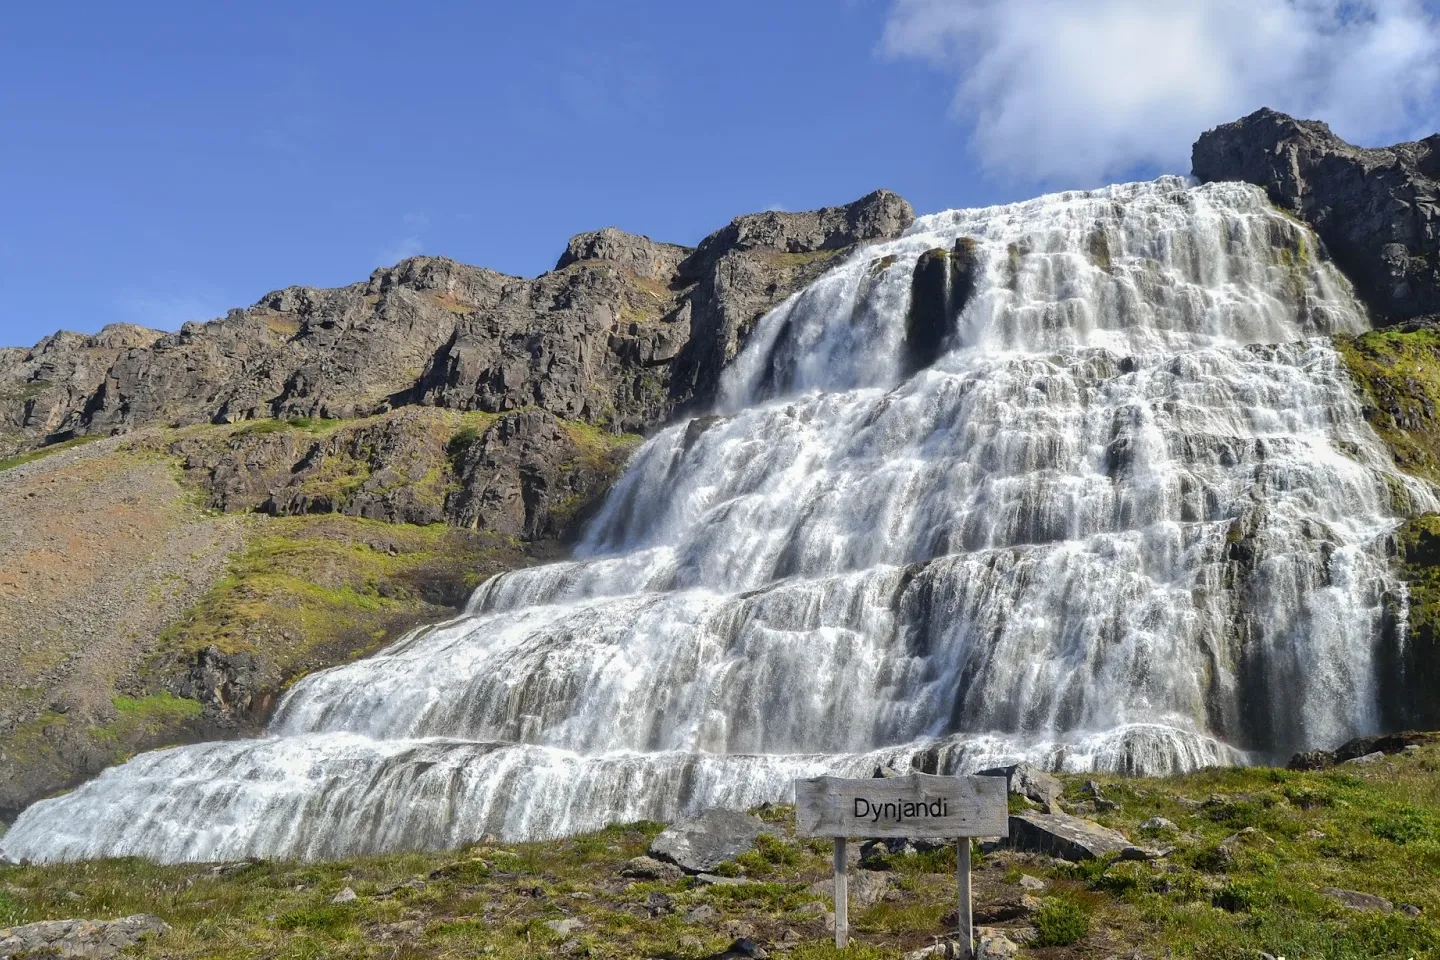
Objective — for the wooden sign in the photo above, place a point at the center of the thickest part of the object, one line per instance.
(915, 806)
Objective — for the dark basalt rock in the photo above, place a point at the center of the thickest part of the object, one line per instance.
(1389, 743)
(1377, 210)
(941, 287)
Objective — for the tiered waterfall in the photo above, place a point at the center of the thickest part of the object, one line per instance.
(1127, 518)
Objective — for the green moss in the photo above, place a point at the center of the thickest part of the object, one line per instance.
(313, 590)
(1397, 377)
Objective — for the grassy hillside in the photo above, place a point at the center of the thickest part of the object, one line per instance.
(1251, 856)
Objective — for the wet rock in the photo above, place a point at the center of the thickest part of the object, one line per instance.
(939, 290)
(1029, 781)
(1063, 836)
(79, 938)
(1355, 900)
(648, 868)
(701, 844)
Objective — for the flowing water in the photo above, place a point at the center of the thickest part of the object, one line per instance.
(1130, 520)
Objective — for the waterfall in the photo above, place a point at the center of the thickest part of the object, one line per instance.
(1129, 519)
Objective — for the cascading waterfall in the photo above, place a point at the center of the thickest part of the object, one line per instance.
(1131, 519)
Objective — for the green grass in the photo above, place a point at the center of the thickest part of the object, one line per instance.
(1397, 378)
(1253, 852)
(306, 587)
(1061, 921)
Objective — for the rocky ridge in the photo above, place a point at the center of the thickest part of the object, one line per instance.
(1376, 209)
(623, 333)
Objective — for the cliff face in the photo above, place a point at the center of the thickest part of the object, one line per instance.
(293, 485)
(1378, 210)
(621, 334)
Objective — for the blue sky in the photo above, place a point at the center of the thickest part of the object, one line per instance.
(164, 162)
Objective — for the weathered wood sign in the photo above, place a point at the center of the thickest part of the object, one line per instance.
(915, 806)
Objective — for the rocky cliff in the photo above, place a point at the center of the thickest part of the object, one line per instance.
(1378, 210)
(292, 485)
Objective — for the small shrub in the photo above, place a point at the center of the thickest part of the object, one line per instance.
(1060, 922)
(1405, 827)
(1236, 898)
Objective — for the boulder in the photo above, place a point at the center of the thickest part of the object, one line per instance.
(1355, 900)
(702, 843)
(648, 868)
(1377, 210)
(1063, 836)
(79, 938)
(1029, 781)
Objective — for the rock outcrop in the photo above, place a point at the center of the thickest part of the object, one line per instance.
(1064, 836)
(702, 843)
(78, 938)
(1377, 210)
(623, 333)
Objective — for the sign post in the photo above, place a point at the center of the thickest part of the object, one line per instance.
(915, 806)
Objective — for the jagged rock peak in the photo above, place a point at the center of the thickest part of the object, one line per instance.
(876, 216)
(1376, 208)
(640, 255)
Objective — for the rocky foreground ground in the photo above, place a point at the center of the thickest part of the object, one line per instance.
(1340, 863)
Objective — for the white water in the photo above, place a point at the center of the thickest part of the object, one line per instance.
(1112, 528)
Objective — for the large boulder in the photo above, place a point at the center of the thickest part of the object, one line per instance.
(1029, 781)
(1377, 210)
(702, 843)
(1064, 836)
(78, 938)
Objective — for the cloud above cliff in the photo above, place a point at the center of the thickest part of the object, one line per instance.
(1076, 91)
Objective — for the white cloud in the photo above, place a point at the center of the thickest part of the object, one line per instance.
(1075, 91)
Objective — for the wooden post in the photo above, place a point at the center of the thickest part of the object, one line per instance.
(842, 897)
(967, 923)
